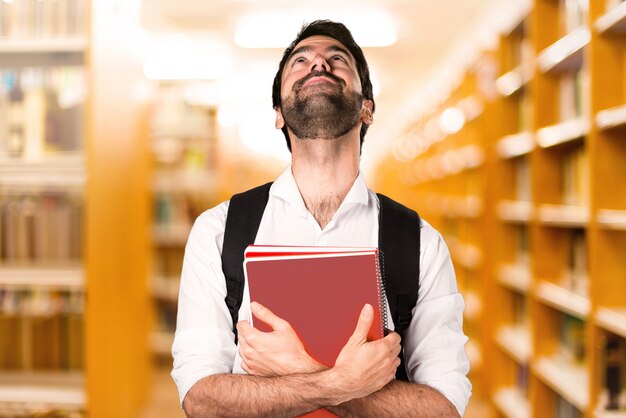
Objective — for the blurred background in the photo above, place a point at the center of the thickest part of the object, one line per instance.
(501, 123)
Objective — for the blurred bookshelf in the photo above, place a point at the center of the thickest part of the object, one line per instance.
(184, 171)
(57, 290)
(551, 233)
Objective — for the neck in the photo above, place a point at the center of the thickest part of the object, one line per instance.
(324, 171)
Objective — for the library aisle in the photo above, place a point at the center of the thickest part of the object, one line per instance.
(121, 121)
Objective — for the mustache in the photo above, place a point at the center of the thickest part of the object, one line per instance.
(312, 74)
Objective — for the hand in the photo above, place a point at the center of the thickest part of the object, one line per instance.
(364, 367)
(275, 353)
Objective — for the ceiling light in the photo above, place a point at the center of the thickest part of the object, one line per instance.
(452, 120)
(370, 27)
(183, 58)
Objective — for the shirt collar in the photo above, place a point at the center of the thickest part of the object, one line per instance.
(285, 187)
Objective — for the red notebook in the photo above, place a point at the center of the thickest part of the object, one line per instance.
(320, 291)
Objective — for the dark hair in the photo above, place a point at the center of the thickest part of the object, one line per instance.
(336, 31)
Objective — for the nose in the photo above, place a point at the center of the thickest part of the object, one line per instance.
(319, 64)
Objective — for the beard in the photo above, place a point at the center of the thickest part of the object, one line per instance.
(323, 111)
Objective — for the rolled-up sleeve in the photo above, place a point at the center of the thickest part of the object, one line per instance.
(204, 340)
(434, 342)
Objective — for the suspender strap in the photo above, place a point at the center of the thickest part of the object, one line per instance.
(399, 242)
(242, 224)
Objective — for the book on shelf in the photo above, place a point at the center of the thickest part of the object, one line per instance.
(520, 312)
(41, 110)
(576, 277)
(574, 167)
(520, 49)
(44, 228)
(613, 369)
(24, 19)
(320, 291)
(573, 95)
(524, 112)
(41, 330)
(573, 14)
(522, 375)
(564, 409)
(523, 190)
(522, 256)
(572, 339)
(172, 209)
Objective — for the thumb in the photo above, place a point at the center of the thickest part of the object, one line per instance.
(366, 318)
(267, 316)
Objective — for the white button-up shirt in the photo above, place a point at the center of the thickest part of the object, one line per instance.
(204, 342)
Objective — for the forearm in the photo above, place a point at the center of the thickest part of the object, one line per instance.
(399, 399)
(234, 395)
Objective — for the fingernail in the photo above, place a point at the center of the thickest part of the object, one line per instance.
(367, 309)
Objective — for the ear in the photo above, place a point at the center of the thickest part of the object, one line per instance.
(280, 122)
(367, 113)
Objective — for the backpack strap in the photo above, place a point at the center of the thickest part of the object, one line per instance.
(245, 211)
(399, 242)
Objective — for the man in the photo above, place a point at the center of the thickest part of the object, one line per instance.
(324, 104)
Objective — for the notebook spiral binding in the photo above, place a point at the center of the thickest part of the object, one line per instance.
(382, 292)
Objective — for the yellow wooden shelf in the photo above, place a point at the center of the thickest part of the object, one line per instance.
(517, 211)
(108, 175)
(564, 215)
(563, 133)
(613, 21)
(569, 380)
(63, 171)
(48, 278)
(514, 81)
(523, 138)
(72, 44)
(512, 403)
(515, 341)
(610, 414)
(563, 300)
(612, 319)
(473, 156)
(515, 277)
(566, 54)
(611, 219)
(31, 392)
(516, 145)
(612, 118)
(472, 108)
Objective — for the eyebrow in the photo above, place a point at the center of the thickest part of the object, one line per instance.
(308, 48)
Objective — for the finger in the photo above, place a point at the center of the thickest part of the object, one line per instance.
(396, 350)
(392, 339)
(248, 335)
(245, 367)
(267, 316)
(396, 363)
(243, 328)
(364, 324)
